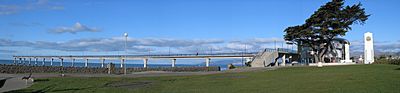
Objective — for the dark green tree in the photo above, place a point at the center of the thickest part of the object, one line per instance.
(331, 20)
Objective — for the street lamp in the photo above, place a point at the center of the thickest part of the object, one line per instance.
(126, 52)
(243, 53)
(275, 45)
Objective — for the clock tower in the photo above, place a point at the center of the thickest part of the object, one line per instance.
(368, 48)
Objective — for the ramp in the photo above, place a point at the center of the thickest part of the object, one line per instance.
(264, 58)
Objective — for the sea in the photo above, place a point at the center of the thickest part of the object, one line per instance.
(223, 64)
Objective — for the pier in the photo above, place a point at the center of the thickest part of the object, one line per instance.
(123, 58)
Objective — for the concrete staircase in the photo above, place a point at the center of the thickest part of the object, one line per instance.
(264, 58)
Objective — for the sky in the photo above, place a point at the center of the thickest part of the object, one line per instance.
(96, 27)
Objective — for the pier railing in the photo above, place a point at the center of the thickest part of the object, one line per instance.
(154, 55)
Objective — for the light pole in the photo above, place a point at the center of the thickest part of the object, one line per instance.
(169, 50)
(211, 50)
(126, 51)
(243, 53)
(148, 51)
(291, 43)
(275, 44)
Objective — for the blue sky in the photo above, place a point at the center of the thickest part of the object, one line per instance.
(78, 27)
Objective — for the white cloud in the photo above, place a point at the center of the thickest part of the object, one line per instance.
(380, 47)
(134, 45)
(42, 2)
(78, 27)
(240, 46)
(267, 40)
(6, 51)
(7, 42)
(25, 24)
(109, 44)
(8, 9)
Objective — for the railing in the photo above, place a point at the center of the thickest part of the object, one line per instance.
(283, 50)
(259, 54)
(159, 55)
(280, 50)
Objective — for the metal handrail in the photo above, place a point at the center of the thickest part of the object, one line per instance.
(159, 55)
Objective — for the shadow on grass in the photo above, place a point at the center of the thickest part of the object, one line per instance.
(47, 89)
(41, 80)
(53, 87)
(229, 77)
(43, 90)
(130, 85)
(70, 89)
(397, 69)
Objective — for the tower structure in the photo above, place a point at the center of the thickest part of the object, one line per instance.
(368, 48)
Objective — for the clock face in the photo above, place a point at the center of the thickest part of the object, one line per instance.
(368, 38)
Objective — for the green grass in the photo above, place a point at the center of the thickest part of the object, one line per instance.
(339, 79)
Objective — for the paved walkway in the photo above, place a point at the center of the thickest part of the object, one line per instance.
(14, 83)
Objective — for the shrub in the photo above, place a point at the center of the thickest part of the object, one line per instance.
(248, 64)
(388, 61)
(230, 66)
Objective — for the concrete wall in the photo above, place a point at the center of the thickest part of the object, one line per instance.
(264, 59)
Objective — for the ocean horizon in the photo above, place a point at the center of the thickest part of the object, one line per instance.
(222, 65)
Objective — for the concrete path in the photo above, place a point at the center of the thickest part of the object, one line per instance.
(14, 83)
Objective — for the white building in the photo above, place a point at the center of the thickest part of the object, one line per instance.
(339, 54)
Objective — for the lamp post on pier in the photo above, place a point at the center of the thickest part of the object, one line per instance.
(126, 52)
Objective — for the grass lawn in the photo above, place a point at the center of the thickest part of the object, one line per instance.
(339, 79)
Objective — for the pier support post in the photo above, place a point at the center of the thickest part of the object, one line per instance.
(36, 59)
(62, 61)
(145, 62)
(24, 61)
(51, 62)
(102, 62)
(208, 62)
(86, 63)
(283, 60)
(122, 63)
(20, 61)
(29, 62)
(73, 61)
(15, 60)
(173, 62)
(44, 59)
(248, 60)
(123, 66)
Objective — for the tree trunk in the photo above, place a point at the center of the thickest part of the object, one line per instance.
(316, 58)
(324, 50)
